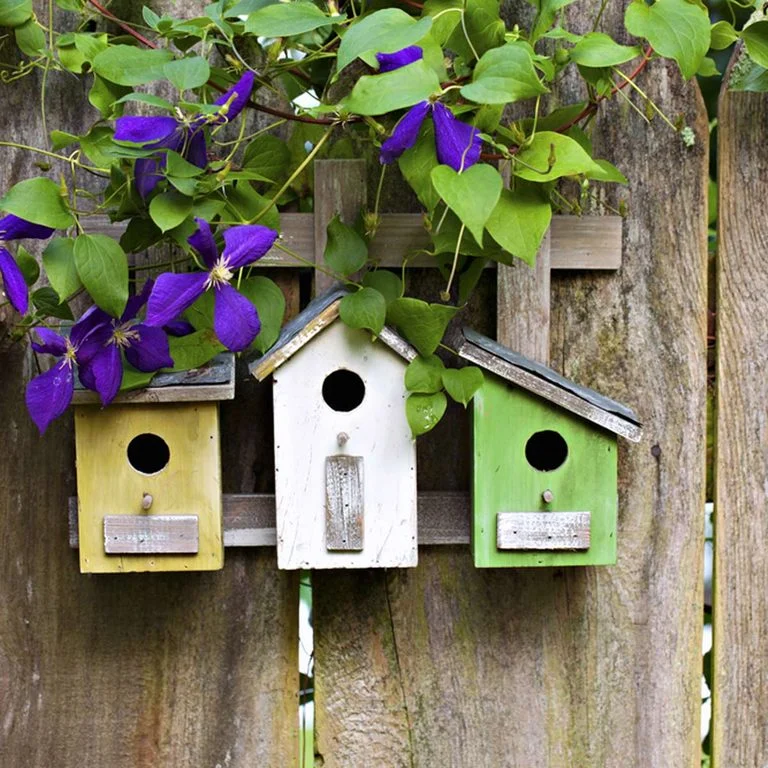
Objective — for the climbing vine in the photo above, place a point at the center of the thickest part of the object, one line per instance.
(423, 86)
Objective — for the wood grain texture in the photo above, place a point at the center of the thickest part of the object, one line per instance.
(452, 666)
(577, 242)
(377, 431)
(523, 297)
(340, 189)
(344, 502)
(542, 530)
(108, 484)
(212, 657)
(151, 534)
(249, 519)
(740, 613)
(549, 391)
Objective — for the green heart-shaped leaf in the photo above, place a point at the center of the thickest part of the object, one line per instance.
(471, 195)
(518, 224)
(504, 75)
(424, 375)
(345, 250)
(365, 309)
(677, 29)
(425, 411)
(38, 200)
(462, 383)
(422, 324)
(550, 156)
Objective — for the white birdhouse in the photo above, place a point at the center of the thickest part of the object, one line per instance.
(345, 461)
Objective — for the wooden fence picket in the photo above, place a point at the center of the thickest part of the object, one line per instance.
(740, 594)
(447, 665)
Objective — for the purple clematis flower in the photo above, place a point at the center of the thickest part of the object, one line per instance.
(49, 394)
(14, 228)
(391, 61)
(179, 327)
(145, 347)
(235, 319)
(458, 144)
(178, 134)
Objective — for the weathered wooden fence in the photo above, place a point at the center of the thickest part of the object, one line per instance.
(740, 597)
(442, 665)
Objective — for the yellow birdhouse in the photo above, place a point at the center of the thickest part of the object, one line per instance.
(149, 474)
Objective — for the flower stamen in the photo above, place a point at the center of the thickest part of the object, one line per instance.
(220, 273)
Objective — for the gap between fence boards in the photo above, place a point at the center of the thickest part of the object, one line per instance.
(249, 519)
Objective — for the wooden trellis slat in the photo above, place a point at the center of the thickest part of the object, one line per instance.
(588, 242)
(249, 519)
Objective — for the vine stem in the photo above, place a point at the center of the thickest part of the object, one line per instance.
(258, 107)
(591, 108)
(446, 295)
(107, 14)
(315, 265)
(307, 160)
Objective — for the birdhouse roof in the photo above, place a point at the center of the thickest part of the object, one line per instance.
(213, 381)
(317, 315)
(548, 384)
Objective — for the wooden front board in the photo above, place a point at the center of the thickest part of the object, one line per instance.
(344, 503)
(108, 485)
(151, 534)
(505, 417)
(307, 431)
(546, 531)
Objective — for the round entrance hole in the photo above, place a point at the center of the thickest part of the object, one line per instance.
(546, 450)
(148, 453)
(343, 390)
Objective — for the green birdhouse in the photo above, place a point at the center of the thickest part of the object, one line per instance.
(545, 471)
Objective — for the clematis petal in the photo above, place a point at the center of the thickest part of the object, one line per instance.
(14, 228)
(13, 282)
(405, 134)
(401, 58)
(94, 343)
(136, 302)
(245, 244)
(148, 172)
(179, 328)
(150, 351)
(87, 377)
(202, 241)
(104, 371)
(242, 92)
(196, 150)
(52, 343)
(49, 394)
(172, 294)
(145, 130)
(235, 319)
(458, 144)
(90, 320)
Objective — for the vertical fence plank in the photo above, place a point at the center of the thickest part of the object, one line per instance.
(522, 301)
(447, 665)
(340, 188)
(740, 609)
(141, 670)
